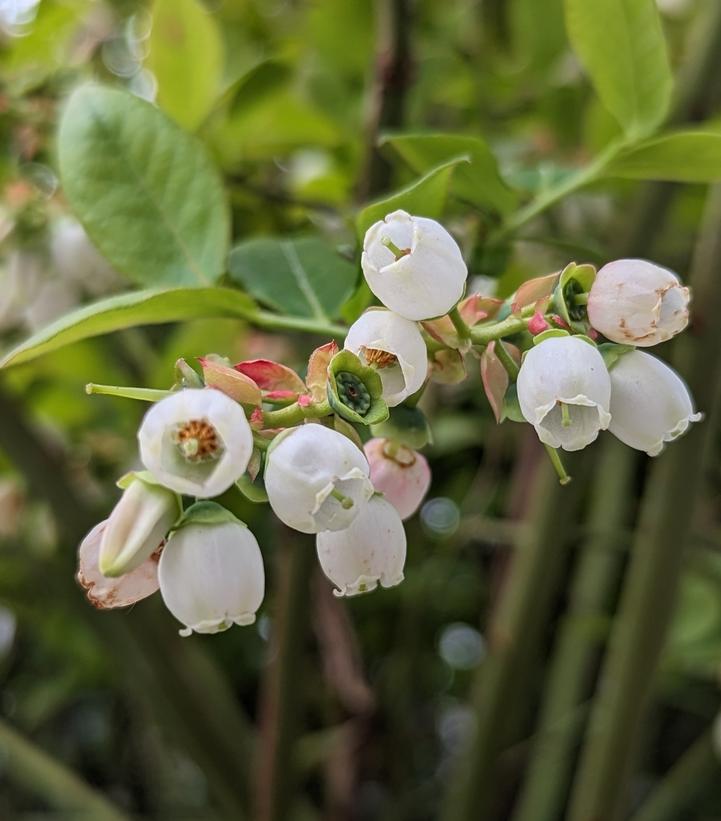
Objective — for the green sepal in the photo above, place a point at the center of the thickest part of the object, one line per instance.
(346, 362)
(574, 280)
(406, 425)
(253, 491)
(206, 513)
(611, 352)
(146, 476)
(511, 406)
(186, 376)
(549, 334)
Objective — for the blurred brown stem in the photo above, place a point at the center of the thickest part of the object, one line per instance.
(281, 695)
(392, 78)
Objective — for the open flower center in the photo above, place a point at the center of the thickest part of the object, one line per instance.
(353, 393)
(378, 358)
(198, 441)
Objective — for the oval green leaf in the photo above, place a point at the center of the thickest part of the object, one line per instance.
(621, 45)
(688, 156)
(151, 307)
(146, 192)
(186, 57)
(478, 182)
(302, 277)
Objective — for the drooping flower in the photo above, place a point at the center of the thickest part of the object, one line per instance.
(394, 346)
(370, 551)
(137, 526)
(211, 574)
(634, 302)
(564, 391)
(650, 403)
(316, 479)
(105, 593)
(402, 475)
(413, 265)
(196, 441)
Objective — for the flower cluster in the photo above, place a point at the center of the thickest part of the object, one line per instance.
(336, 452)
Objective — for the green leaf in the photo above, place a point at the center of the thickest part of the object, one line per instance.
(479, 182)
(146, 192)
(621, 45)
(149, 307)
(426, 197)
(303, 277)
(686, 156)
(186, 57)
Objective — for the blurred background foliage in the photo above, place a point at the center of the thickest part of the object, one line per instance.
(364, 709)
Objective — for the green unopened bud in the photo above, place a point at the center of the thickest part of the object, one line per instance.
(137, 526)
(406, 425)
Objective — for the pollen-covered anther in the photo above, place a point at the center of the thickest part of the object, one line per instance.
(198, 441)
(353, 392)
(378, 358)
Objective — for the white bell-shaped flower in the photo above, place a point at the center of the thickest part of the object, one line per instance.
(196, 441)
(402, 475)
(316, 479)
(211, 576)
(413, 265)
(564, 391)
(395, 347)
(105, 593)
(650, 403)
(137, 527)
(370, 551)
(635, 302)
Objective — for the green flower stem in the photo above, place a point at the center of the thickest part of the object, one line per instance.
(556, 737)
(143, 394)
(515, 638)
(557, 463)
(508, 362)
(295, 414)
(42, 775)
(691, 777)
(657, 557)
(485, 333)
(280, 322)
(581, 299)
(462, 329)
(549, 198)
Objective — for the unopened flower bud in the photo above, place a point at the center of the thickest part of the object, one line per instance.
(196, 442)
(413, 265)
(400, 474)
(393, 346)
(370, 551)
(635, 302)
(564, 391)
(316, 479)
(137, 526)
(105, 593)
(211, 576)
(650, 403)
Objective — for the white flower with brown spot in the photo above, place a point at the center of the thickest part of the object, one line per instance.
(634, 302)
(196, 441)
(394, 346)
(413, 265)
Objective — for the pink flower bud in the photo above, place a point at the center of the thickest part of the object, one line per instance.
(537, 324)
(402, 475)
